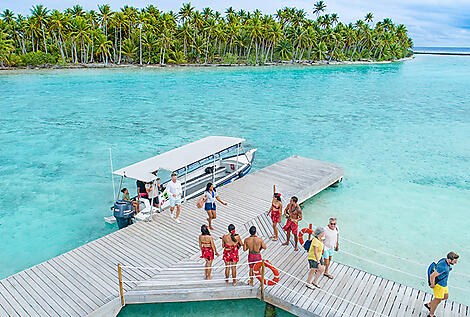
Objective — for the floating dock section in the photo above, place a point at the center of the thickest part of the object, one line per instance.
(160, 262)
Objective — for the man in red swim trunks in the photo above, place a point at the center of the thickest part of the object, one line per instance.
(255, 245)
(294, 215)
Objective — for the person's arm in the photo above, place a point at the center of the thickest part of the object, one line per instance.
(205, 198)
(433, 278)
(274, 189)
(285, 211)
(315, 250)
(200, 243)
(300, 215)
(213, 247)
(271, 209)
(337, 241)
(263, 246)
(245, 246)
(217, 197)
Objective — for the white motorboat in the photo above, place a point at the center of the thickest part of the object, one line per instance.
(216, 159)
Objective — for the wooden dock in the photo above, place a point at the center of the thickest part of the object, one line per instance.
(161, 262)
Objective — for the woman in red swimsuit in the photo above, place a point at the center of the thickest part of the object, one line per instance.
(275, 212)
(231, 243)
(206, 243)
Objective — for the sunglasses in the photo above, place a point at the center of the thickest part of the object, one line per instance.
(333, 224)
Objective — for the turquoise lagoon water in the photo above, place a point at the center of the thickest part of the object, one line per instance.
(232, 308)
(400, 130)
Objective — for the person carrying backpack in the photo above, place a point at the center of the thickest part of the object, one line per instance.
(437, 279)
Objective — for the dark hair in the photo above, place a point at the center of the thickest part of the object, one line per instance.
(208, 186)
(252, 230)
(295, 199)
(205, 231)
(277, 196)
(174, 174)
(123, 190)
(452, 256)
(231, 228)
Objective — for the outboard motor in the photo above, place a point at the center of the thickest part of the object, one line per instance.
(123, 212)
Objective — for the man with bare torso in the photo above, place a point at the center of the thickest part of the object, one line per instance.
(255, 245)
(294, 215)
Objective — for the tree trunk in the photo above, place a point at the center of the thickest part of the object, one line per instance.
(44, 37)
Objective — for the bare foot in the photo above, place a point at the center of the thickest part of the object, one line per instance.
(296, 248)
(285, 243)
(275, 238)
(210, 227)
(209, 277)
(250, 283)
(226, 280)
(234, 282)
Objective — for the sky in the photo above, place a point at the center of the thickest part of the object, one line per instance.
(429, 22)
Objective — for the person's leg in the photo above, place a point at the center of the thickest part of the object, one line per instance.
(227, 271)
(178, 209)
(296, 239)
(172, 209)
(206, 270)
(318, 274)
(276, 233)
(251, 276)
(209, 270)
(209, 218)
(327, 261)
(310, 275)
(433, 305)
(288, 238)
(214, 214)
(234, 272)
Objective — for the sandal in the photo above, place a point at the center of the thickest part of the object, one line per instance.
(427, 306)
(316, 285)
(329, 276)
(310, 286)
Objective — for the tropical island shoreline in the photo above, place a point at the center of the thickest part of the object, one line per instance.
(273, 64)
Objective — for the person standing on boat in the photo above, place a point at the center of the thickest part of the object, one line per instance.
(294, 215)
(438, 281)
(315, 259)
(231, 242)
(331, 244)
(152, 192)
(141, 190)
(208, 249)
(175, 191)
(210, 195)
(275, 211)
(254, 244)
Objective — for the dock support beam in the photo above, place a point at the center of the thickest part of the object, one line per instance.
(262, 280)
(121, 290)
(270, 310)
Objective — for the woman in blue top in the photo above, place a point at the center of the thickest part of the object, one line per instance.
(210, 195)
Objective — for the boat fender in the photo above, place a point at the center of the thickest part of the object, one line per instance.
(208, 170)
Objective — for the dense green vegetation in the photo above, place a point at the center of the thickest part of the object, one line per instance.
(150, 36)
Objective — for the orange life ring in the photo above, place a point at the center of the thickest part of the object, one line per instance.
(301, 234)
(269, 282)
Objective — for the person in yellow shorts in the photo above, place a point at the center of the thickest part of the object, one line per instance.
(438, 281)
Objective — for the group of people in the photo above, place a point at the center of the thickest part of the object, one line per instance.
(151, 191)
(231, 243)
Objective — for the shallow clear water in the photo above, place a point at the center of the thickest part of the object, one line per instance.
(400, 130)
(232, 308)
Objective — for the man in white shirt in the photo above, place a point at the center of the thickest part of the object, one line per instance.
(331, 244)
(175, 192)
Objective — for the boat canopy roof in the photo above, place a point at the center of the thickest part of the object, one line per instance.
(178, 158)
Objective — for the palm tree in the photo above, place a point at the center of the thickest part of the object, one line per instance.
(104, 47)
(369, 17)
(39, 15)
(319, 7)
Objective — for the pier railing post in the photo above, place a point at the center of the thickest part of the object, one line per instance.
(121, 290)
(262, 280)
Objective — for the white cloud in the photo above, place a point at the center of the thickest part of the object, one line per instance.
(429, 22)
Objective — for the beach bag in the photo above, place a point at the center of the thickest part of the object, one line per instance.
(200, 202)
(307, 245)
